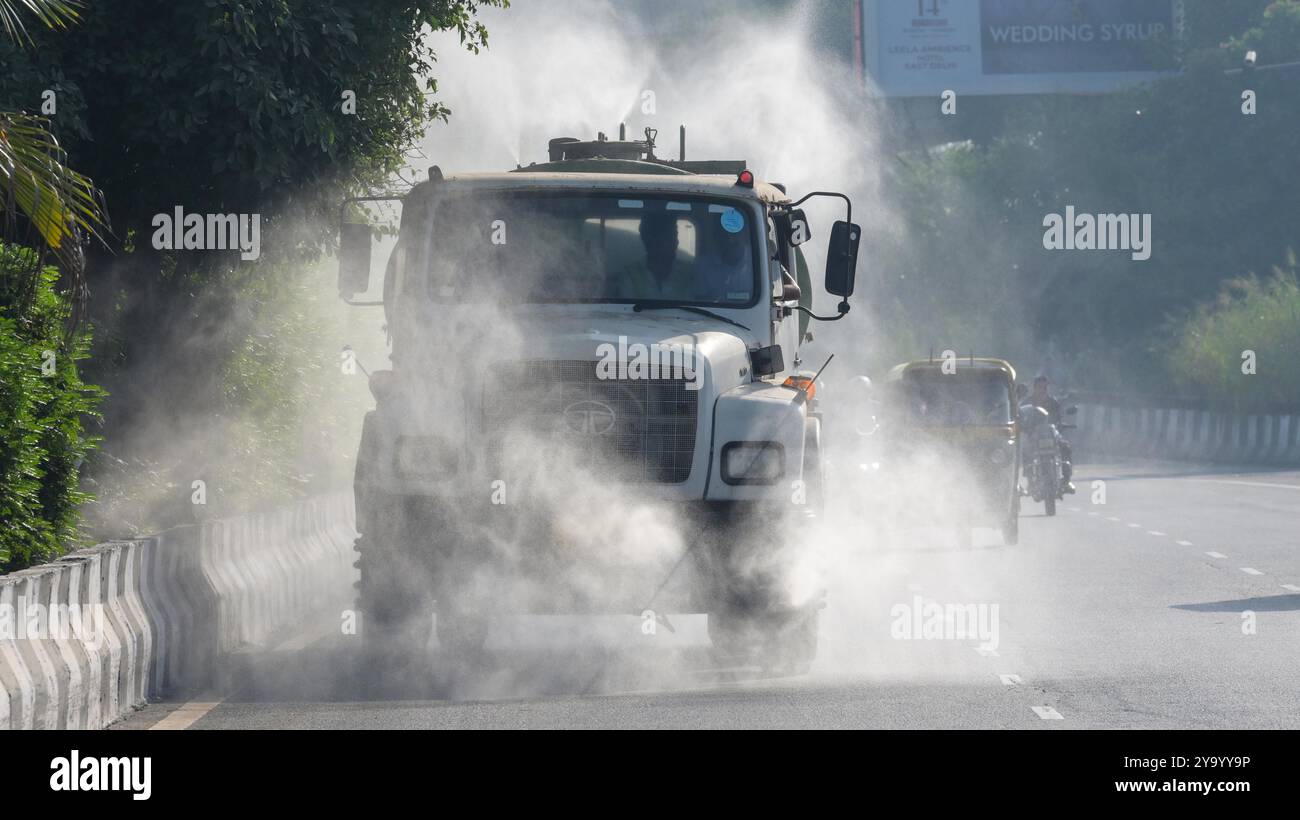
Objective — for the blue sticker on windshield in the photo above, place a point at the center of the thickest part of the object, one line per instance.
(733, 221)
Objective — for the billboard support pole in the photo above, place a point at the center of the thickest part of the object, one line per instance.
(857, 44)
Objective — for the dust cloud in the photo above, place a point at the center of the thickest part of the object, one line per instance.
(761, 89)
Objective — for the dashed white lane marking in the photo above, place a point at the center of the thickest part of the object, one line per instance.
(1154, 532)
(1135, 526)
(1291, 587)
(1094, 513)
(1246, 483)
(1109, 518)
(1216, 555)
(914, 587)
(1075, 509)
(1047, 713)
(986, 653)
(1250, 571)
(187, 715)
(1183, 543)
(1010, 680)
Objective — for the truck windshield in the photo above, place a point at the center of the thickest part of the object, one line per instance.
(620, 247)
(959, 399)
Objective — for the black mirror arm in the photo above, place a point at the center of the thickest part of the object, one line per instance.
(842, 308)
(848, 203)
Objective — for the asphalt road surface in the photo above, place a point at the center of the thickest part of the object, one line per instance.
(1175, 604)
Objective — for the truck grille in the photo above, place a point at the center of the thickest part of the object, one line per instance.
(640, 430)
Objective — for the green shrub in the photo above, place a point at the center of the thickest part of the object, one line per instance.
(291, 417)
(282, 423)
(43, 404)
(1204, 353)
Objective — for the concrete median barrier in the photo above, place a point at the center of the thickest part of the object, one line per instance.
(1186, 435)
(87, 638)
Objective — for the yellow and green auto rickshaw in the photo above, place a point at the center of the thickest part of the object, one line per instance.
(964, 411)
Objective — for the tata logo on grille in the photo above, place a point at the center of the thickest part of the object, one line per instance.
(589, 418)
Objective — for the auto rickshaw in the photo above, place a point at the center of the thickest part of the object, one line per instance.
(964, 410)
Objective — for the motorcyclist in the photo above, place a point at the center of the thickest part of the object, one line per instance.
(1040, 397)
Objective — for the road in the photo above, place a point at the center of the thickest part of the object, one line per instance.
(1175, 604)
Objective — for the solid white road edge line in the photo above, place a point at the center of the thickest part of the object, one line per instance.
(187, 715)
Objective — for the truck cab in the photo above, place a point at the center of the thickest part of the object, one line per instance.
(604, 322)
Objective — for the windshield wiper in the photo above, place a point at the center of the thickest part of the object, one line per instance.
(640, 306)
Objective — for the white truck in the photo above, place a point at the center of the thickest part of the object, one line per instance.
(633, 318)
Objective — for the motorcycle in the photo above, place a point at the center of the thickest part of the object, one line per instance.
(1041, 455)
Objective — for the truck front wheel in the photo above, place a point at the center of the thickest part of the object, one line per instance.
(784, 642)
(1011, 527)
(390, 598)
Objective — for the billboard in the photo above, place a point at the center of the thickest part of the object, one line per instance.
(915, 48)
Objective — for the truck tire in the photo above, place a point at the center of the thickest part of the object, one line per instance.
(389, 600)
(461, 632)
(1011, 527)
(395, 601)
(780, 642)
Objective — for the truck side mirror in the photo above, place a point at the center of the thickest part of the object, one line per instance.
(354, 258)
(842, 259)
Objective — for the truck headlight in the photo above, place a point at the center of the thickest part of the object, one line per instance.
(752, 462)
(425, 457)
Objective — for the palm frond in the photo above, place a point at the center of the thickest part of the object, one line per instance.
(62, 206)
(52, 13)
